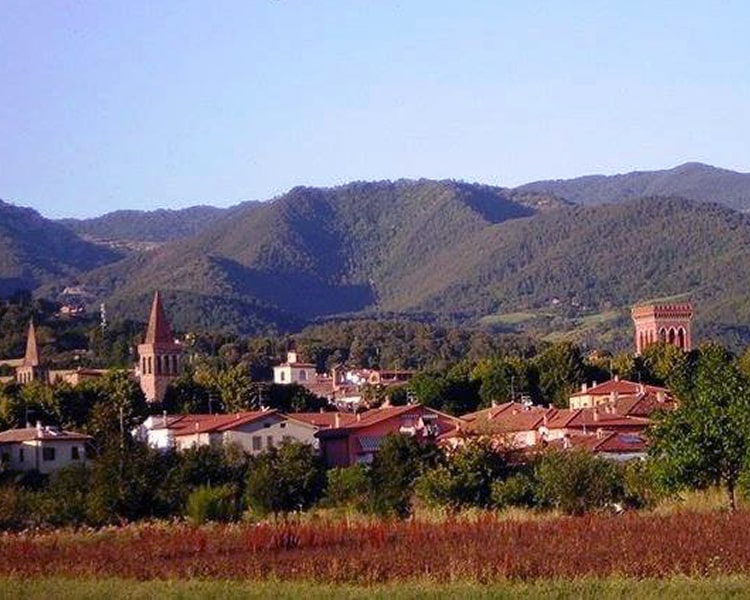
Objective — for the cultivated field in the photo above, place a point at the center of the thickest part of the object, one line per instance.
(481, 551)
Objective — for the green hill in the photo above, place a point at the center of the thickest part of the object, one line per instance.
(694, 181)
(146, 226)
(447, 251)
(35, 251)
(316, 252)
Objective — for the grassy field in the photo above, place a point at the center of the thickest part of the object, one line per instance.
(113, 589)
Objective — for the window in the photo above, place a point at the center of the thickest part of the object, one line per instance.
(75, 453)
(282, 376)
(269, 441)
(20, 455)
(48, 454)
(257, 442)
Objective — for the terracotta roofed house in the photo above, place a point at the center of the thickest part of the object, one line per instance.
(252, 432)
(359, 440)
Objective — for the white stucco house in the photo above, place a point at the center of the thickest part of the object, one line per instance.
(44, 449)
(293, 371)
(253, 432)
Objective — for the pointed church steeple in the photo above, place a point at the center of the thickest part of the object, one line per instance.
(160, 357)
(159, 331)
(31, 369)
(31, 358)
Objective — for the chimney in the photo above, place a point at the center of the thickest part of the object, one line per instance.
(584, 387)
(593, 384)
(39, 429)
(616, 377)
(660, 396)
(164, 416)
(641, 388)
(359, 417)
(337, 420)
(291, 357)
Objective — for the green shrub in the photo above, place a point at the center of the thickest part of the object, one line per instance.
(285, 479)
(208, 503)
(576, 481)
(347, 487)
(517, 490)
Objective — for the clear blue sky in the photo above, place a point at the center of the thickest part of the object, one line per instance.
(146, 104)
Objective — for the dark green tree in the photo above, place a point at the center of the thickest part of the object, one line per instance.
(706, 440)
(285, 479)
(400, 460)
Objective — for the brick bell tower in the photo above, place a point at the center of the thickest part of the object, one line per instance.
(668, 323)
(160, 357)
(31, 368)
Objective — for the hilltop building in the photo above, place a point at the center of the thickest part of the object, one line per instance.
(160, 356)
(668, 323)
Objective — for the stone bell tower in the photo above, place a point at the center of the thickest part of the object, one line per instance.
(668, 323)
(31, 368)
(160, 357)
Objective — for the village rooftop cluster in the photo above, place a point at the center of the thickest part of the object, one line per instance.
(608, 418)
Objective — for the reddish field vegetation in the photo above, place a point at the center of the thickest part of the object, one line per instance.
(486, 550)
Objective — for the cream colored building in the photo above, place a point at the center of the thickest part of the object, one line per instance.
(44, 449)
(253, 432)
(293, 371)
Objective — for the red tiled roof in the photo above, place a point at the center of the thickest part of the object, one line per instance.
(29, 434)
(605, 441)
(510, 417)
(643, 405)
(190, 424)
(378, 415)
(323, 420)
(622, 387)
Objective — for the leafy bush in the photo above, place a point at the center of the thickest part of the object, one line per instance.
(284, 479)
(211, 504)
(517, 490)
(399, 462)
(576, 481)
(347, 486)
(465, 478)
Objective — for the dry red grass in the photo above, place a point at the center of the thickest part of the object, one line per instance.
(489, 549)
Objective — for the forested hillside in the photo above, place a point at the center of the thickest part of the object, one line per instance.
(442, 251)
(694, 181)
(35, 251)
(316, 252)
(146, 226)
